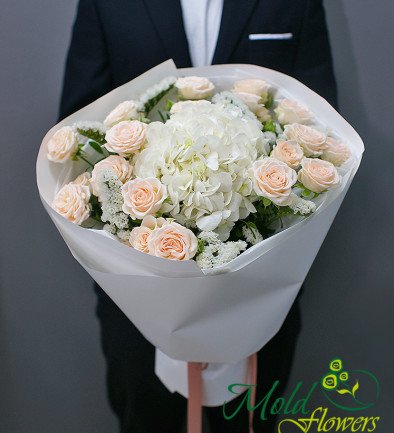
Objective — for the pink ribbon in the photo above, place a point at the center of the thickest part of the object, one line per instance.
(252, 381)
(194, 408)
(194, 403)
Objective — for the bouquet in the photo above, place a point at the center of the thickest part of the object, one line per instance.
(186, 172)
(198, 199)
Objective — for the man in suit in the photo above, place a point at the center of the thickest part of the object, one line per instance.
(115, 41)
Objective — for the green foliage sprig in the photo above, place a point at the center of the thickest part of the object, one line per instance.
(148, 107)
(270, 101)
(93, 135)
(269, 126)
(96, 211)
(305, 192)
(263, 220)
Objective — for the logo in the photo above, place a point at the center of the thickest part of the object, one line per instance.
(350, 391)
(342, 388)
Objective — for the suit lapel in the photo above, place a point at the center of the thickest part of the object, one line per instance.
(234, 19)
(167, 19)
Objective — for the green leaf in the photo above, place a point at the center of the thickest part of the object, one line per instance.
(269, 126)
(96, 136)
(169, 104)
(155, 100)
(134, 223)
(343, 391)
(305, 192)
(200, 246)
(251, 224)
(162, 116)
(266, 201)
(270, 101)
(355, 388)
(96, 208)
(143, 119)
(96, 146)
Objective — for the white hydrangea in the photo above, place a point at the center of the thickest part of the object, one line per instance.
(269, 140)
(251, 235)
(111, 200)
(203, 154)
(217, 253)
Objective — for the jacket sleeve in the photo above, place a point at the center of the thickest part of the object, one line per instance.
(314, 65)
(87, 73)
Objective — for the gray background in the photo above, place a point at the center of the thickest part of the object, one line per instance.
(51, 367)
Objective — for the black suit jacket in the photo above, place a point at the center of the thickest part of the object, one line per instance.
(114, 41)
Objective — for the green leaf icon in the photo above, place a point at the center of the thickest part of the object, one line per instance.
(343, 391)
(355, 388)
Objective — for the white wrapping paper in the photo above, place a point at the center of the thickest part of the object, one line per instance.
(220, 315)
(215, 376)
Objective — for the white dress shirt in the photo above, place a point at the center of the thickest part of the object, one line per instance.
(201, 19)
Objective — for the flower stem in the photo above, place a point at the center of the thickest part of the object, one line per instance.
(86, 160)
